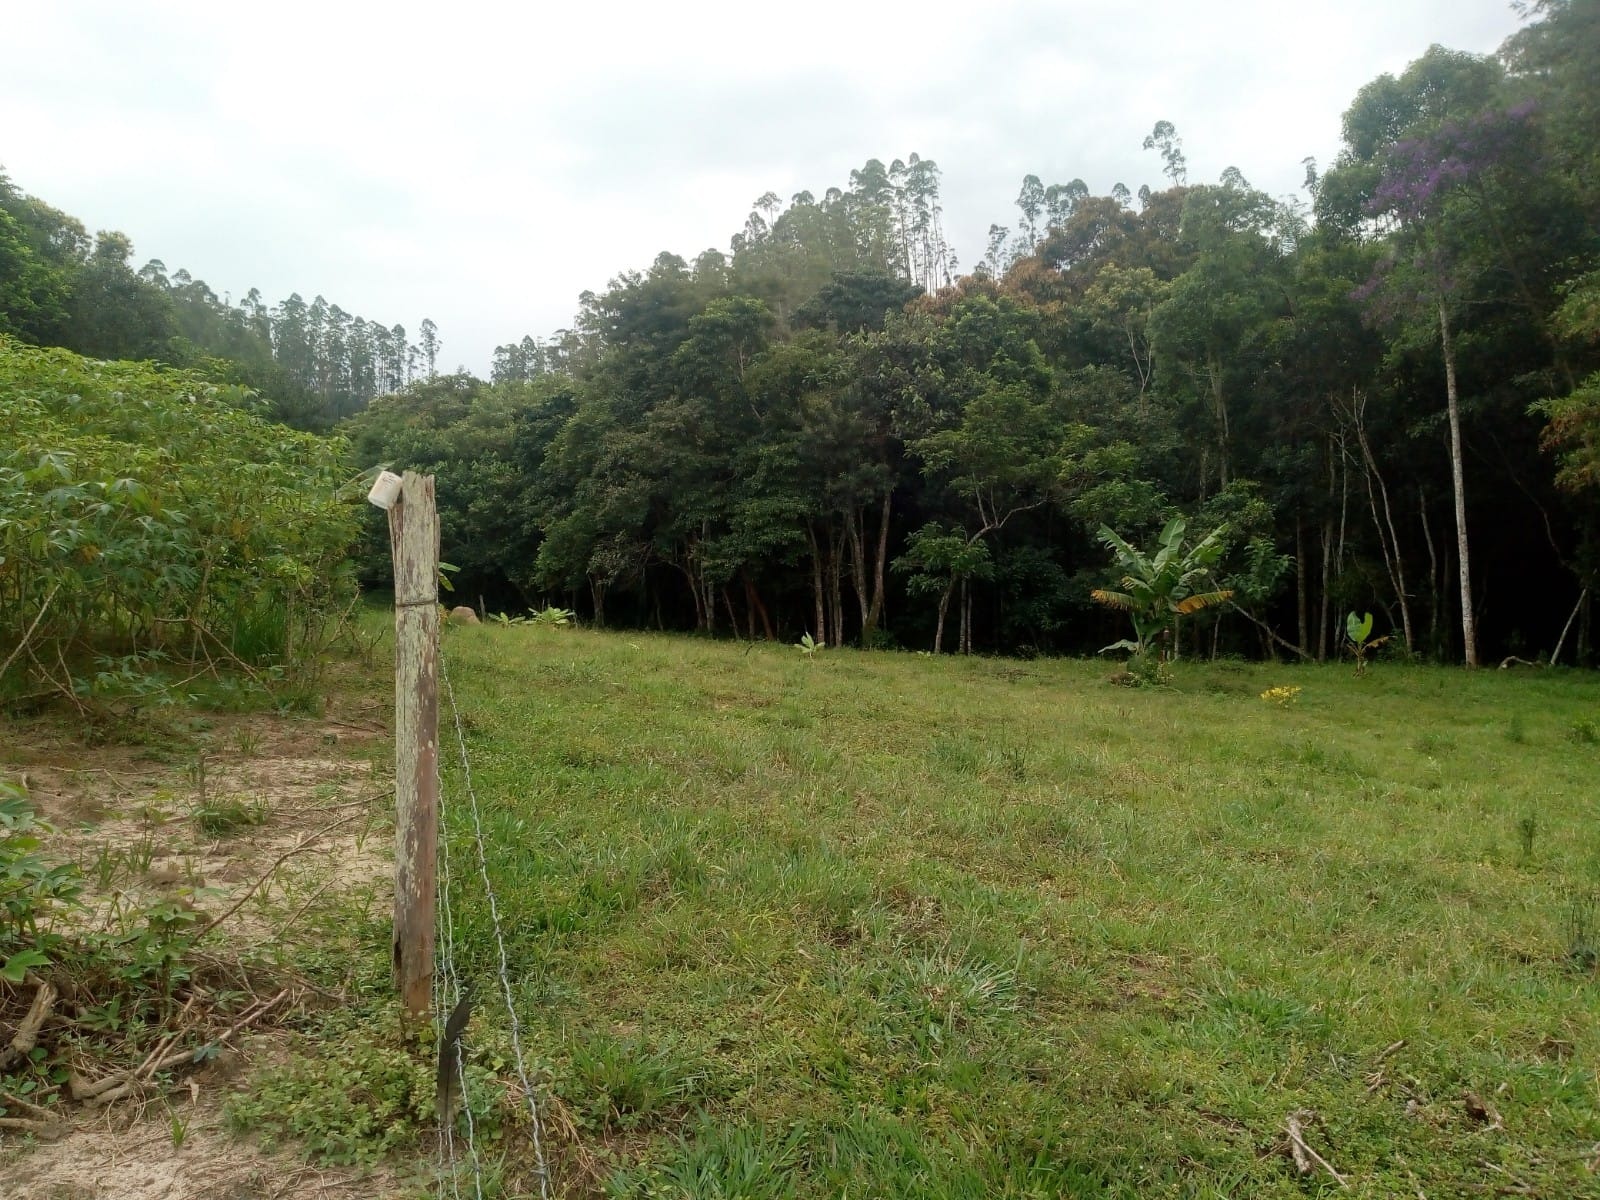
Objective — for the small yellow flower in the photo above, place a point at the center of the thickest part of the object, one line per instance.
(1283, 697)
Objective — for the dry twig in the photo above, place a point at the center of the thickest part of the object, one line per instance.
(303, 844)
(115, 1087)
(1391, 1048)
(39, 616)
(1305, 1158)
(27, 1035)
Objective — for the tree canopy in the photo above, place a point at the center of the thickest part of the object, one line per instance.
(1388, 391)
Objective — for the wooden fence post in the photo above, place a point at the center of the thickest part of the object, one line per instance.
(414, 543)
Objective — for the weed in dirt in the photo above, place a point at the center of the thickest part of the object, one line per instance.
(177, 1128)
(350, 1107)
(224, 815)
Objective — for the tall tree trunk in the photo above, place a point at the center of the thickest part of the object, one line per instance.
(944, 607)
(821, 626)
(1302, 600)
(1567, 628)
(966, 617)
(1434, 583)
(757, 609)
(1390, 545)
(1323, 614)
(855, 523)
(1220, 403)
(1584, 618)
(694, 594)
(875, 613)
(1469, 625)
(836, 587)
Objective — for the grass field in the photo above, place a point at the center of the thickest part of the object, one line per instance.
(881, 925)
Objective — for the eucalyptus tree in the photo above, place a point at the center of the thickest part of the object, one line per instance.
(428, 342)
(1164, 139)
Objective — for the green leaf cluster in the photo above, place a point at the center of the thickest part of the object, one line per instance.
(1159, 587)
(149, 516)
(32, 888)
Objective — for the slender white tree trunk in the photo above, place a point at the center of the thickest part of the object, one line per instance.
(1469, 625)
(1391, 545)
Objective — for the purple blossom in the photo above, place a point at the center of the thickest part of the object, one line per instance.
(1417, 174)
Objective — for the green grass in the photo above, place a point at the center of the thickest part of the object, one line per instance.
(882, 925)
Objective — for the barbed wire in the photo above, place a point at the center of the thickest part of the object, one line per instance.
(540, 1166)
(446, 995)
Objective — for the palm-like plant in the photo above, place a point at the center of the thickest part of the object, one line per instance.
(1158, 588)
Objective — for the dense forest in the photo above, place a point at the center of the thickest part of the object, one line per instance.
(315, 362)
(1386, 393)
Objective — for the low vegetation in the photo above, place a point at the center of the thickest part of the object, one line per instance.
(154, 528)
(890, 925)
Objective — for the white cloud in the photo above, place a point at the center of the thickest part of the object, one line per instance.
(483, 163)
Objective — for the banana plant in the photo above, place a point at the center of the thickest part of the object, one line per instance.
(1156, 589)
(1358, 631)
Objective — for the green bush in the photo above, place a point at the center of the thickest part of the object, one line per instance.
(32, 888)
(349, 1107)
(148, 517)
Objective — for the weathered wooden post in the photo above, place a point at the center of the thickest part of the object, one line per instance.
(414, 545)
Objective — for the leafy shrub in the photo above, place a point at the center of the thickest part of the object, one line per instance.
(148, 517)
(31, 888)
(219, 816)
(349, 1107)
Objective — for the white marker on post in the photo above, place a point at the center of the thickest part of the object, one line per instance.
(385, 490)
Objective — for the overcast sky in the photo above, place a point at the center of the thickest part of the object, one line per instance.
(484, 163)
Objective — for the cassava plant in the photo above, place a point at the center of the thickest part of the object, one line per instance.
(152, 519)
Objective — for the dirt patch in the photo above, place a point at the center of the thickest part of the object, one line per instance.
(181, 1153)
(216, 823)
(253, 823)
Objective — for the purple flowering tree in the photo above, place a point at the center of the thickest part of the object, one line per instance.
(1435, 197)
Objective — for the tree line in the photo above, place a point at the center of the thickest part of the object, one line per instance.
(1387, 392)
(316, 362)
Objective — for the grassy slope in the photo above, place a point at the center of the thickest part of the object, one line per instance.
(882, 925)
